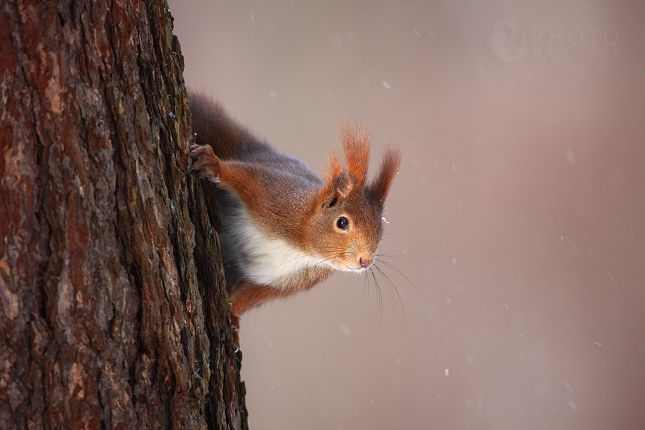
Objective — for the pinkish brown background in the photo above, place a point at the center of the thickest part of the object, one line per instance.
(519, 211)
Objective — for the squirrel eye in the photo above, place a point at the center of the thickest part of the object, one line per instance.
(342, 223)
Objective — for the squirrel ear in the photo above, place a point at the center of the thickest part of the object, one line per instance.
(337, 183)
(332, 200)
(356, 146)
(381, 184)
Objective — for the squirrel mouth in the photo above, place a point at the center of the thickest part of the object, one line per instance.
(359, 266)
(355, 269)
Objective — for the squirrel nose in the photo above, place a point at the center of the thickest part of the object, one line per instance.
(365, 261)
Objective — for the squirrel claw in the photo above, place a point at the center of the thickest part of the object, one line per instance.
(207, 173)
(205, 162)
(197, 151)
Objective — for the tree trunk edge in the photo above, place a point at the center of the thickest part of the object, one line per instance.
(113, 306)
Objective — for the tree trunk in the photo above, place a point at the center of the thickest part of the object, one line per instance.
(113, 308)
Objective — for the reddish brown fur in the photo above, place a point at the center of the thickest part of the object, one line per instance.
(248, 295)
(356, 145)
(334, 171)
(351, 180)
(380, 185)
(287, 200)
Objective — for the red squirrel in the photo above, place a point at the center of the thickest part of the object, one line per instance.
(285, 229)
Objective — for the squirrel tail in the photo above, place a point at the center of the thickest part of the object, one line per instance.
(213, 126)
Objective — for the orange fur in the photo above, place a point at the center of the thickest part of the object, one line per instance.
(380, 185)
(281, 229)
(356, 145)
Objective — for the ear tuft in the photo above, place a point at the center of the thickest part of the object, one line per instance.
(333, 171)
(341, 182)
(380, 185)
(336, 186)
(356, 146)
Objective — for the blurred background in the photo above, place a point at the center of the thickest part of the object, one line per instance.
(516, 224)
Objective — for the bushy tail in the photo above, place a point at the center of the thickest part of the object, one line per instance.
(214, 127)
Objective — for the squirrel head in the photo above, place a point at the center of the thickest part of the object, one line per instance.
(347, 219)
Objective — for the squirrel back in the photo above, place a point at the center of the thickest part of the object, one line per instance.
(284, 228)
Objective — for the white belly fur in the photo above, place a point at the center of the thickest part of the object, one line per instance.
(263, 259)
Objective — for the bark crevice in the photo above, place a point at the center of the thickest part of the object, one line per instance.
(105, 319)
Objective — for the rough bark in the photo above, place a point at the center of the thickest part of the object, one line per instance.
(113, 310)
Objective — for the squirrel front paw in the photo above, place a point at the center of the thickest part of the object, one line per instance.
(205, 163)
(235, 325)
